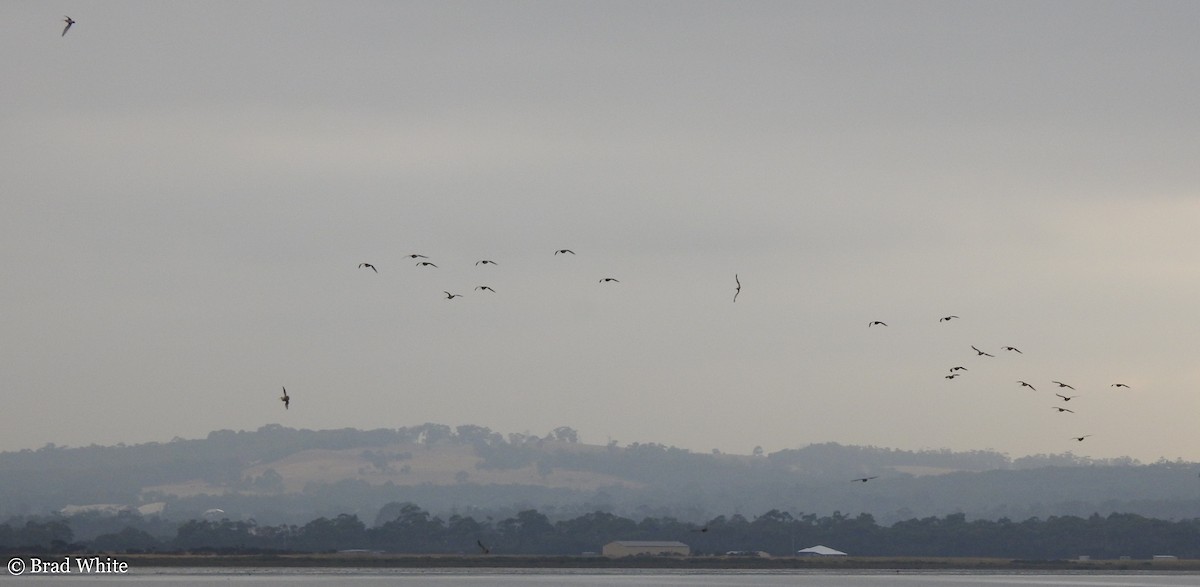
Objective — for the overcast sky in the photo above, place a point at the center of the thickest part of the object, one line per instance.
(187, 190)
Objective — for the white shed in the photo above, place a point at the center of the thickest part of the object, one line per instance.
(819, 550)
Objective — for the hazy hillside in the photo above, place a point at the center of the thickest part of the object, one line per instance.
(278, 475)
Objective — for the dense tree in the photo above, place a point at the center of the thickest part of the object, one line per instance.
(463, 534)
(529, 532)
(408, 528)
(220, 535)
(411, 530)
(584, 533)
(565, 434)
(128, 539)
(340, 533)
(51, 534)
(478, 435)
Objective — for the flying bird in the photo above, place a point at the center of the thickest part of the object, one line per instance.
(738, 290)
(953, 369)
(482, 548)
(946, 318)
(608, 279)
(870, 324)
(1061, 410)
(425, 264)
(285, 399)
(1080, 438)
(1120, 385)
(1023, 384)
(864, 479)
(953, 375)
(1061, 384)
(450, 296)
(1065, 398)
(1014, 349)
(701, 530)
(981, 353)
(368, 266)
(564, 251)
(416, 256)
(70, 21)
(485, 288)
(486, 262)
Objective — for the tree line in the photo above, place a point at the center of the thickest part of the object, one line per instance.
(407, 528)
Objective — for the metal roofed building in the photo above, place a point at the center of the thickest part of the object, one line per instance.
(819, 550)
(621, 548)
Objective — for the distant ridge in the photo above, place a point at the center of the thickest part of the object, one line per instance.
(279, 473)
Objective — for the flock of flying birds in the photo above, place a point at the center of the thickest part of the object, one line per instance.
(487, 288)
(424, 262)
(1061, 389)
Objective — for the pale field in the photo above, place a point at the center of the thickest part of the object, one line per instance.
(434, 465)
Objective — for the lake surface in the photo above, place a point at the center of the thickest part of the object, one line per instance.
(200, 577)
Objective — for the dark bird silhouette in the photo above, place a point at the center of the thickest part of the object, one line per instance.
(564, 251)
(450, 296)
(873, 323)
(701, 530)
(368, 266)
(981, 353)
(608, 279)
(425, 264)
(1120, 385)
(485, 288)
(285, 399)
(1014, 349)
(483, 549)
(486, 262)
(1023, 384)
(69, 22)
(864, 479)
(1061, 410)
(1061, 384)
(1080, 438)
(738, 290)
(1065, 398)
(953, 375)
(416, 256)
(953, 369)
(946, 318)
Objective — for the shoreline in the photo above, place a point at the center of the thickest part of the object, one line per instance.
(849, 563)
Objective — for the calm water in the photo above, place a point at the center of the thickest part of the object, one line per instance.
(604, 578)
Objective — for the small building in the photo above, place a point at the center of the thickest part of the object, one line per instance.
(819, 550)
(621, 548)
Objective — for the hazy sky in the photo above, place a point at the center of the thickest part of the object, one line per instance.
(188, 189)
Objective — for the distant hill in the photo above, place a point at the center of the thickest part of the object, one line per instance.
(283, 475)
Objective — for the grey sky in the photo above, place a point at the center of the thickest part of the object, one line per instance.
(188, 189)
